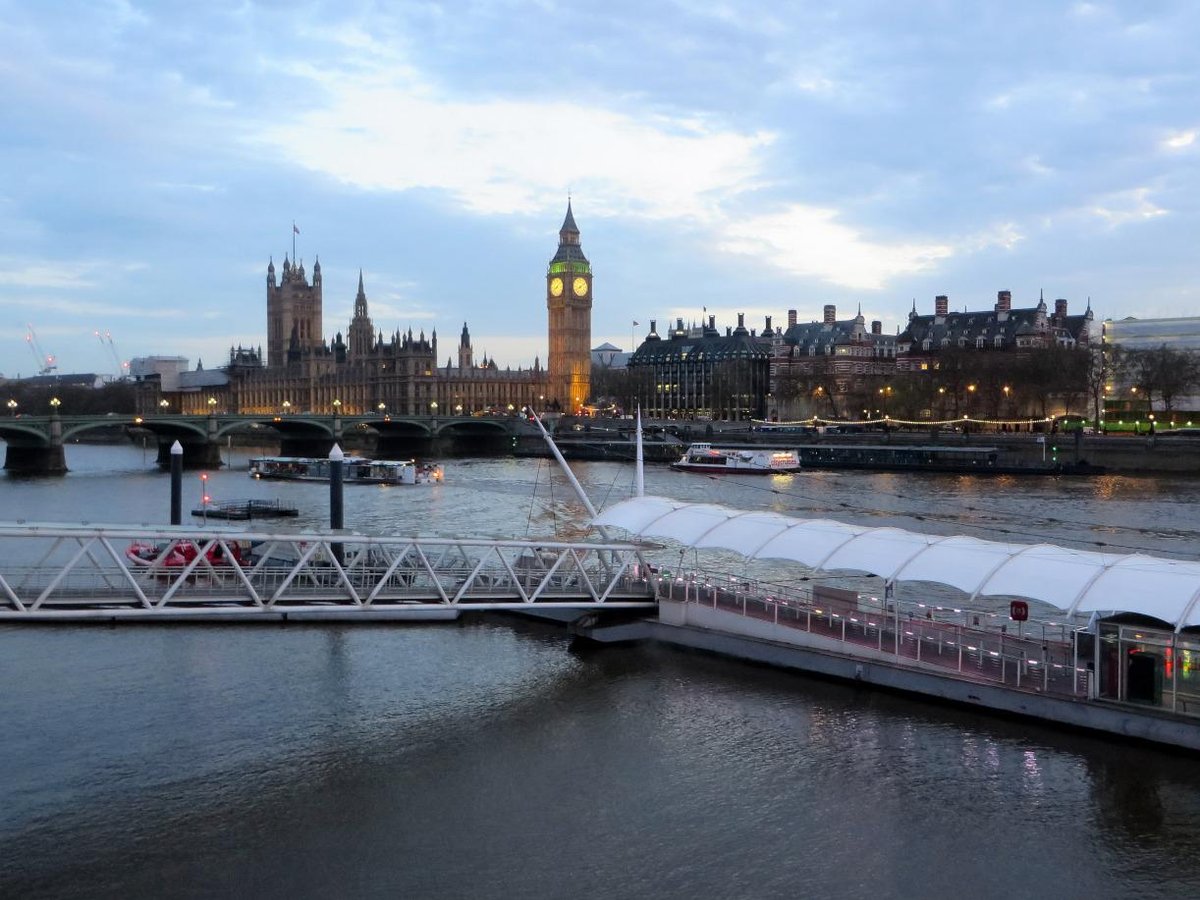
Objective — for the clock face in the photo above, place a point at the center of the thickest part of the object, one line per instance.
(580, 287)
(556, 287)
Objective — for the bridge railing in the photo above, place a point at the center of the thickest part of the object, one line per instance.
(49, 571)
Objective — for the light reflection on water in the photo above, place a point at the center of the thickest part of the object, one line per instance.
(486, 759)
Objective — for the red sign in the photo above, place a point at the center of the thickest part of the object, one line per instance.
(1018, 611)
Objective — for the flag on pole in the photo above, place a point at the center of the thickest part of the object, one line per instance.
(295, 230)
(636, 324)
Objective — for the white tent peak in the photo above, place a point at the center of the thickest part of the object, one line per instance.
(1073, 581)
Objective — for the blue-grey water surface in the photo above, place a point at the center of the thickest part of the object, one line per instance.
(489, 759)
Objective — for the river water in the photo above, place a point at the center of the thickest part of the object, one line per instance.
(490, 759)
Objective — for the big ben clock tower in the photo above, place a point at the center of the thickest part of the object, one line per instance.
(569, 302)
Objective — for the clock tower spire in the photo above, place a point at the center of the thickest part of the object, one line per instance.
(569, 305)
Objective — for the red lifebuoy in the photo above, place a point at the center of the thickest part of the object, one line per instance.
(1018, 611)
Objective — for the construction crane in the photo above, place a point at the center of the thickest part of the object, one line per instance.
(45, 361)
(107, 340)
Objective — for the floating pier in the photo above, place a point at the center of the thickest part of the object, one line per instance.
(243, 510)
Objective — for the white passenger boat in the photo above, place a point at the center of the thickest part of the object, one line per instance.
(748, 460)
(355, 470)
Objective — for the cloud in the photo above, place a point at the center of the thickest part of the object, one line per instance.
(1125, 207)
(387, 130)
(1179, 140)
(79, 275)
(42, 275)
(808, 241)
(378, 124)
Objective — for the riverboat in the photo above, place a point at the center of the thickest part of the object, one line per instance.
(749, 461)
(355, 470)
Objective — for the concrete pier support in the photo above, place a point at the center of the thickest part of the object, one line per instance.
(50, 460)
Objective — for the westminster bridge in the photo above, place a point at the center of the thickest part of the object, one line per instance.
(35, 444)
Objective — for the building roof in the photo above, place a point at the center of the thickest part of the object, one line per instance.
(821, 337)
(699, 345)
(80, 379)
(1073, 581)
(967, 328)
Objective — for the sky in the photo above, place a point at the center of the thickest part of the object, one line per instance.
(721, 156)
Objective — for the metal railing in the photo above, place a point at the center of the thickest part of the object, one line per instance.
(49, 572)
(973, 644)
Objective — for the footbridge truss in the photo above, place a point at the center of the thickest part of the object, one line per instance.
(55, 572)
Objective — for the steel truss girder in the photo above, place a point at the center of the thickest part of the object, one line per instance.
(58, 571)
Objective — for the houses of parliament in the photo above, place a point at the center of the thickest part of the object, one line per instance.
(366, 372)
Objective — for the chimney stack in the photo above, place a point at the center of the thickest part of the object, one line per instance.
(941, 305)
(830, 313)
(1060, 309)
(791, 317)
(1003, 301)
(876, 327)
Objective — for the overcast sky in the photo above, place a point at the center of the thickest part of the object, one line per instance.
(736, 156)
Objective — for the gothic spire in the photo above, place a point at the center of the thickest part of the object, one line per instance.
(568, 225)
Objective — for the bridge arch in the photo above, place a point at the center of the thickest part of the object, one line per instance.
(474, 425)
(14, 429)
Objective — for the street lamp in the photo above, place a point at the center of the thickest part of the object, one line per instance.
(212, 402)
(337, 406)
(382, 408)
(287, 405)
(12, 407)
(55, 403)
(458, 409)
(433, 407)
(163, 404)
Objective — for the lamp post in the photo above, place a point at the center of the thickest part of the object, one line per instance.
(212, 405)
(337, 407)
(55, 403)
(287, 406)
(433, 407)
(163, 405)
(12, 407)
(458, 409)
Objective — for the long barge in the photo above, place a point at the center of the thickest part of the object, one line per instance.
(355, 470)
(1113, 680)
(926, 458)
(1117, 655)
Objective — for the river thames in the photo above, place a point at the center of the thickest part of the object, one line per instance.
(490, 759)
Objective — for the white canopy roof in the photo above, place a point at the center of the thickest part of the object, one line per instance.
(1070, 580)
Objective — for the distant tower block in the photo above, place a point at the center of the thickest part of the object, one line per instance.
(569, 303)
